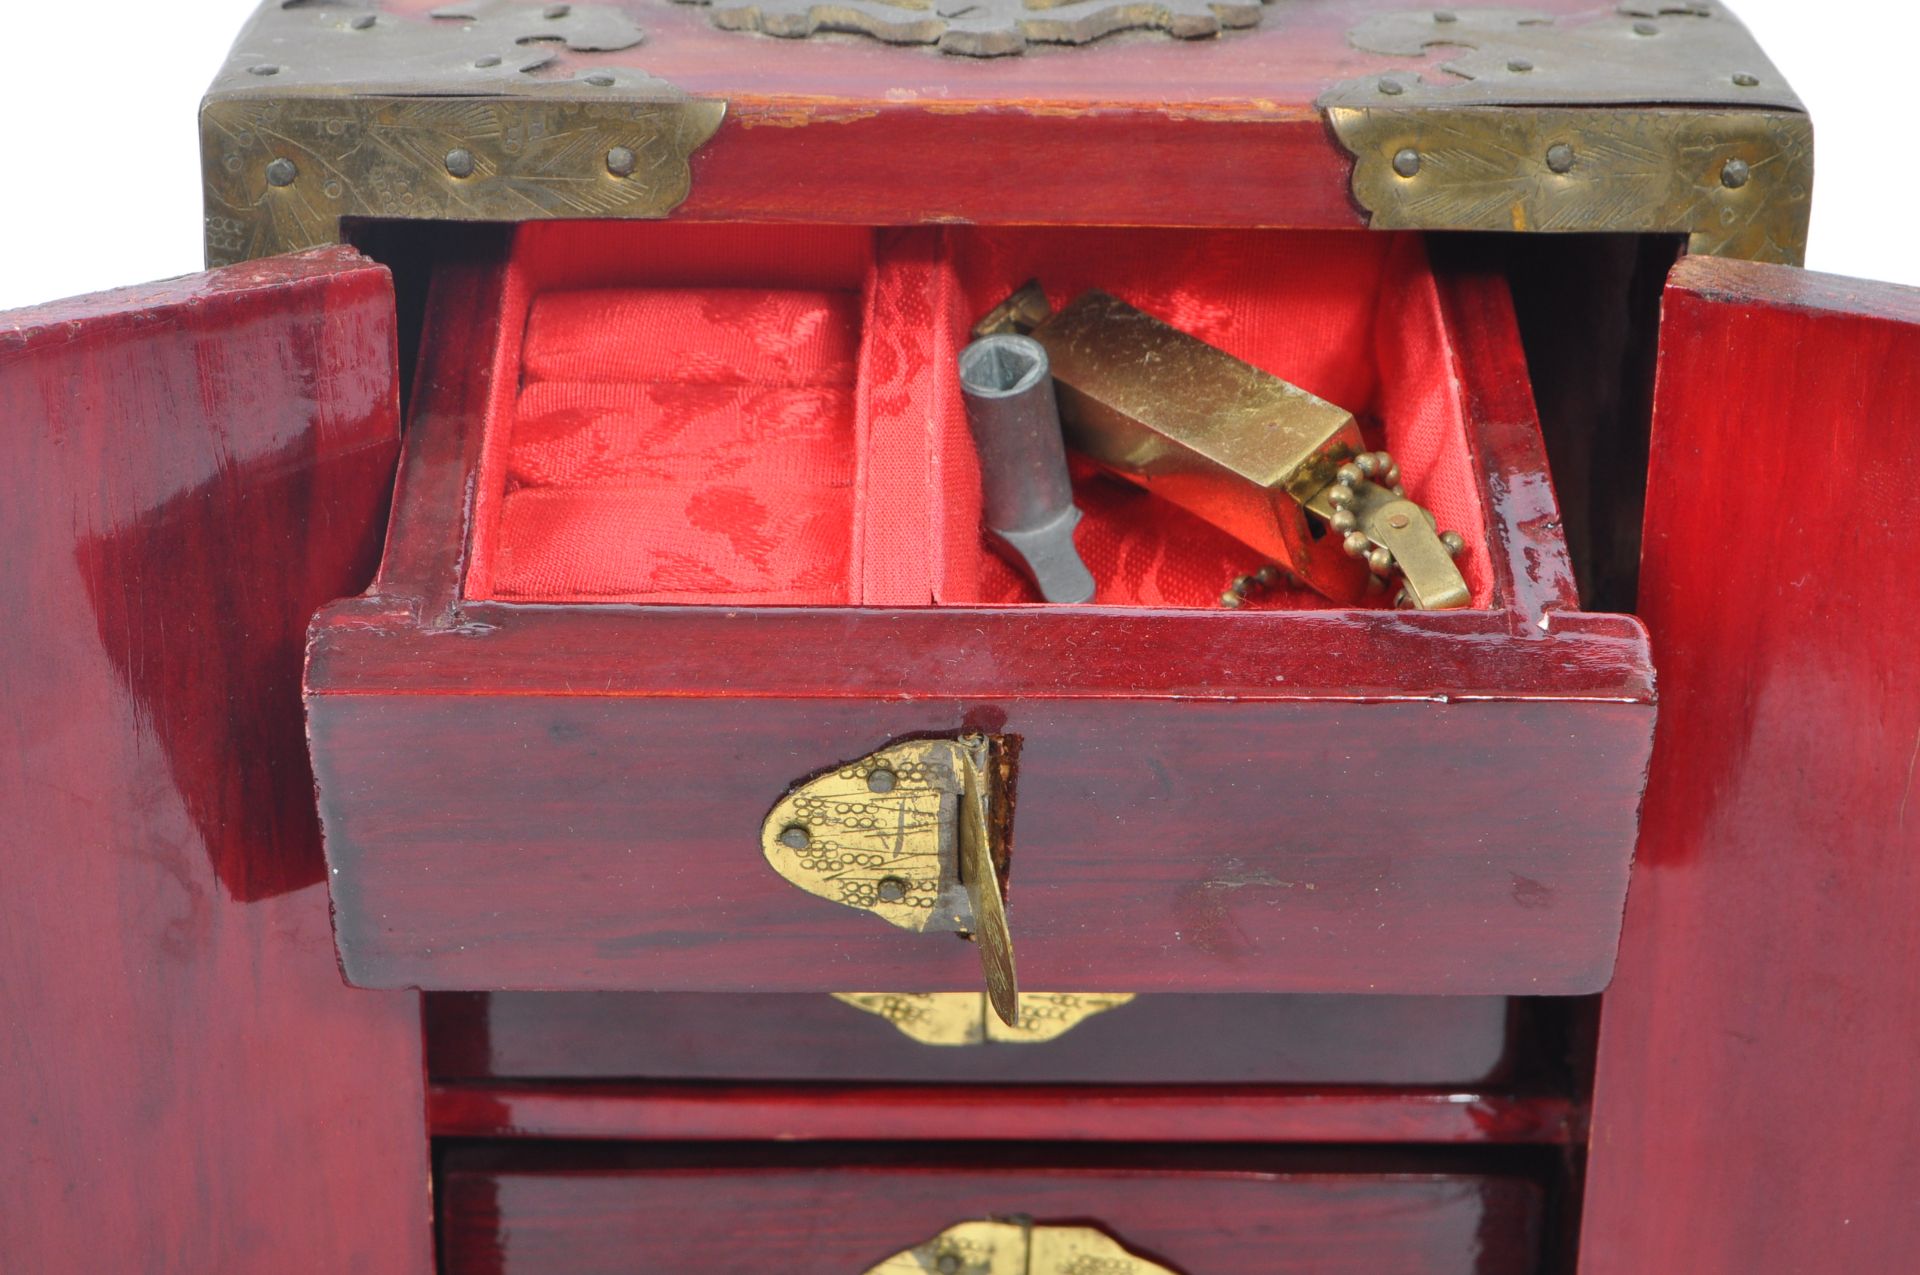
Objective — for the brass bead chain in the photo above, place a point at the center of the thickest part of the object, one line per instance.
(1382, 469)
(1245, 588)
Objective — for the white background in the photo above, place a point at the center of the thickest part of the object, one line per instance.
(99, 163)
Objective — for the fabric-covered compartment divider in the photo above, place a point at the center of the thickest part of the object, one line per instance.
(742, 415)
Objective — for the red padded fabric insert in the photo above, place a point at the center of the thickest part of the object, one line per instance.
(683, 445)
(739, 415)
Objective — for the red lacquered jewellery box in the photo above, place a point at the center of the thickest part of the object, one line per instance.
(512, 686)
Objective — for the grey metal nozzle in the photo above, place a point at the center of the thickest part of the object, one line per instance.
(1028, 496)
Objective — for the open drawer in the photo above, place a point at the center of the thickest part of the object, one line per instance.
(688, 516)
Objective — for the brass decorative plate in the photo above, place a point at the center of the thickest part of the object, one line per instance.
(326, 111)
(983, 28)
(1018, 1248)
(965, 1018)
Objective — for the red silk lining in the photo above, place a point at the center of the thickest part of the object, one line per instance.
(743, 415)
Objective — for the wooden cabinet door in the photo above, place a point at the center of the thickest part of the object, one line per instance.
(1756, 1111)
(187, 471)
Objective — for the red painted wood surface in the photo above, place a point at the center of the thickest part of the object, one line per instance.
(1138, 131)
(1321, 801)
(809, 1219)
(1458, 1041)
(1756, 1111)
(931, 1114)
(191, 468)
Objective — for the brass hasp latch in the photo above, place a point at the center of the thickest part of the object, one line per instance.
(1247, 451)
(917, 834)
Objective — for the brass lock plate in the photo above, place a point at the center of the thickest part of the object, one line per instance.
(1018, 1247)
(966, 1018)
(917, 834)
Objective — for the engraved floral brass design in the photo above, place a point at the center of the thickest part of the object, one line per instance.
(330, 110)
(983, 28)
(965, 1018)
(1018, 1248)
(1661, 116)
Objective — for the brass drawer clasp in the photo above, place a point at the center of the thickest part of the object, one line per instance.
(917, 834)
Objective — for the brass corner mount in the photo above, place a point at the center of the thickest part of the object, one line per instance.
(1661, 116)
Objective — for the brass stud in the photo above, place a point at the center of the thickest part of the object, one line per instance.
(1735, 173)
(1745, 81)
(1520, 66)
(881, 780)
(363, 22)
(1392, 88)
(621, 162)
(487, 62)
(600, 80)
(263, 68)
(1645, 28)
(1398, 522)
(1560, 157)
(460, 162)
(281, 172)
(557, 11)
(891, 889)
(796, 838)
(1445, 15)
(1407, 162)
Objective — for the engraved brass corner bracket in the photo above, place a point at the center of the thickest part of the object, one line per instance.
(917, 834)
(330, 109)
(1018, 1247)
(1660, 117)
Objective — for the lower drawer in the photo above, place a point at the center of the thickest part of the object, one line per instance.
(661, 1211)
(954, 1038)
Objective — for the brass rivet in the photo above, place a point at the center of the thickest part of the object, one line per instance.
(949, 1264)
(263, 68)
(281, 172)
(1744, 80)
(1519, 65)
(1392, 88)
(1735, 174)
(1398, 522)
(460, 163)
(881, 781)
(796, 838)
(1407, 162)
(1445, 15)
(1645, 28)
(1560, 157)
(557, 11)
(621, 162)
(487, 61)
(600, 80)
(892, 889)
(364, 21)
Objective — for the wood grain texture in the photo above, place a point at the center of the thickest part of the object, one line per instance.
(1459, 1041)
(1755, 1106)
(840, 1221)
(928, 1114)
(1323, 801)
(191, 469)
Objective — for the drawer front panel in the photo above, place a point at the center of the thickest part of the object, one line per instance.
(829, 1221)
(1457, 1041)
(544, 842)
